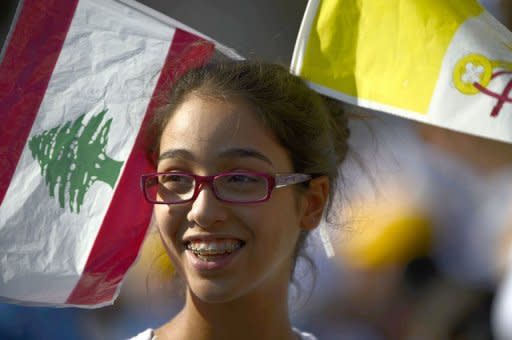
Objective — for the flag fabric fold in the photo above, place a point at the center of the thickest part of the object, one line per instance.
(442, 62)
(79, 81)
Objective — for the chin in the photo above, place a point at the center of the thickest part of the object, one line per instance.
(212, 290)
(216, 291)
(213, 295)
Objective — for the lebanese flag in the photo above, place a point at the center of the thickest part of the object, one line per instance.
(78, 81)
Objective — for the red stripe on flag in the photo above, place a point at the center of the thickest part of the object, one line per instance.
(128, 216)
(25, 71)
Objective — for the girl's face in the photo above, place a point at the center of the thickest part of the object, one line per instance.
(207, 137)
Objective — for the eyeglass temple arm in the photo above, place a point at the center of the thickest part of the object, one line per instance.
(284, 180)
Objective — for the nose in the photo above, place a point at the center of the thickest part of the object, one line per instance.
(206, 210)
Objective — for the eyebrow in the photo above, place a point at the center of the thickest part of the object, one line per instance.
(245, 153)
(229, 153)
(176, 153)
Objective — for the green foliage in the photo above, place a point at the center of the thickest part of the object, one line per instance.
(72, 157)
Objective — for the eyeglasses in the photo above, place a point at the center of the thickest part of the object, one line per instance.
(231, 187)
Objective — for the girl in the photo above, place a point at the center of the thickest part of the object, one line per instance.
(247, 160)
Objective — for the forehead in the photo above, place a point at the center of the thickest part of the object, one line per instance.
(207, 127)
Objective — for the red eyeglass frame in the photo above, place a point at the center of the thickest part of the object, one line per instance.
(273, 182)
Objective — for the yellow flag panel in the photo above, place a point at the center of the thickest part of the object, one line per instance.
(386, 51)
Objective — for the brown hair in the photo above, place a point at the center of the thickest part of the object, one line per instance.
(312, 128)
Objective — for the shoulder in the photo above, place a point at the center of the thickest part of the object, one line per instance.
(304, 335)
(148, 334)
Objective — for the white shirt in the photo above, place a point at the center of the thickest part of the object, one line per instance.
(148, 335)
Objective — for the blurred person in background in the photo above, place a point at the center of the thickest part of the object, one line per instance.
(423, 234)
(502, 306)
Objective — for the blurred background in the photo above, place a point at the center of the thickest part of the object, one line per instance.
(422, 235)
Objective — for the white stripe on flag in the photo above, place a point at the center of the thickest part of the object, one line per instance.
(472, 113)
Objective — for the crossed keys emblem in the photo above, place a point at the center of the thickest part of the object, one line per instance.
(474, 72)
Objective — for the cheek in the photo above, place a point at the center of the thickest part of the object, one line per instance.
(168, 226)
(288, 205)
(279, 222)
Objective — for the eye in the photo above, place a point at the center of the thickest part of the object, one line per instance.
(177, 182)
(242, 179)
(172, 178)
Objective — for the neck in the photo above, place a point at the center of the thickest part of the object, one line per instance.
(252, 316)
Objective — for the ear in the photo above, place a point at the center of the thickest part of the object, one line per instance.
(313, 202)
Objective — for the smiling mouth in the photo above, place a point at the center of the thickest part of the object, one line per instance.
(211, 250)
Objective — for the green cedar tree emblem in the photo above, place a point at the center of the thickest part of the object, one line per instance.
(72, 157)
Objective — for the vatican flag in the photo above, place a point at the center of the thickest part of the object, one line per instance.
(443, 62)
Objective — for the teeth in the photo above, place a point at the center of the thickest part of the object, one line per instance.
(204, 258)
(218, 247)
